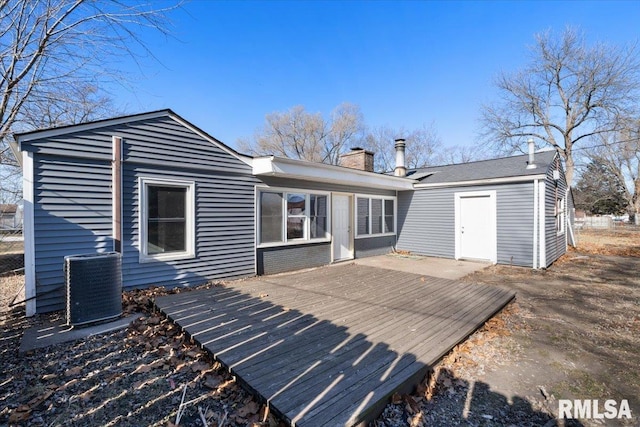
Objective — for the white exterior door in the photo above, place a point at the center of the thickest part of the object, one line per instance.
(341, 227)
(476, 226)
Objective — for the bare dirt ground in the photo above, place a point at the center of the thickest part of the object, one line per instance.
(574, 332)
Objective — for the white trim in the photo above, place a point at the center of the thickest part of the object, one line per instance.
(115, 181)
(542, 228)
(284, 190)
(15, 149)
(190, 251)
(371, 197)
(493, 255)
(562, 212)
(320, 172)
(244, 159)
(28, 230)
(569, 226)
(482, 181)
(535, 224)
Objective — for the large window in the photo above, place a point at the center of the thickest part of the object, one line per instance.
(166, 218)
(292, 217)
(374, 216)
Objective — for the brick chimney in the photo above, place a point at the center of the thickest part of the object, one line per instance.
(358, 158)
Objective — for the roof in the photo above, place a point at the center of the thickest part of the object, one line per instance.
(8, 208)
(505, 167)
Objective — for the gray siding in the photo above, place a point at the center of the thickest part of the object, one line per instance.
(73, 211)
(72, 215)
(426, 220)
(372, 246)
(321, 186)
(159, 142)
(225, 234)
(295, 257)
(556, 245)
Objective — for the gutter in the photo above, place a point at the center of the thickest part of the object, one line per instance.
(505, 180)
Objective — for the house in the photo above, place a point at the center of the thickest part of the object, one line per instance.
(10, 217)
(511, 210)
(183, 208)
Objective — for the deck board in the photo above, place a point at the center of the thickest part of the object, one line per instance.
(329, 346)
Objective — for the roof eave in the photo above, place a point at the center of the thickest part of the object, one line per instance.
(502, 180)
(320, 172)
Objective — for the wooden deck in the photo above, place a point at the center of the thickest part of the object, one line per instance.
(327, 347)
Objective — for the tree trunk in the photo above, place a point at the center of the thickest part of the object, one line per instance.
(570, 167)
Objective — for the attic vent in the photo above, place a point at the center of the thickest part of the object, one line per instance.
(94, 287)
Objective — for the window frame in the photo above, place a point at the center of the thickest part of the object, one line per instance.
(143, 219)
(561, 215)
(384, 214)
(285, 215)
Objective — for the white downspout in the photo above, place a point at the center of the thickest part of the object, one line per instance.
(535, 223)
(542, 227)
(28, 232)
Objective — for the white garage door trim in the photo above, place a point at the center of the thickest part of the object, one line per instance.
(493, 243)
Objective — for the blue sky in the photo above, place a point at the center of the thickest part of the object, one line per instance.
(404, 63)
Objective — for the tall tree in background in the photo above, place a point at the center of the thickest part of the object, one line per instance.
(423, 148)
(50, 50)
(619, 153)
(298, 134)
(74, 104)
(569, 92)
(599, 190)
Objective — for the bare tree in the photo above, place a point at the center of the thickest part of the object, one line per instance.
(461, 154)
(298, 134)
(568, 93)
(422, 149)
(48, 45)
(619, 153)
(71, 105)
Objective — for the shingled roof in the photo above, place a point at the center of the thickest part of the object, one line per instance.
(505, 167)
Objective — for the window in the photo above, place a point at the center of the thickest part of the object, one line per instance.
(375, 216)
(271, 217)
(166, 218)
(292, 217)
(389, 222)
(363, 216)
(318, 216)
(560, 215)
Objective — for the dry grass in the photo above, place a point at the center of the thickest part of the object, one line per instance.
(617, 242)
(10, 286)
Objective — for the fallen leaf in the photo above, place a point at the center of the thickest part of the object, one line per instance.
(396, 398)
(142, 369)
(48, 377)
(36, 401)
(73, 371)
(200, 366)
(21, 414)
(68, 384)
(212, 382)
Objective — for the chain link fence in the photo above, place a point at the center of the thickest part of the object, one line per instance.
(11, 251)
